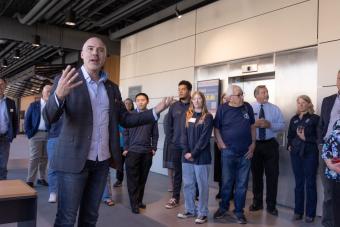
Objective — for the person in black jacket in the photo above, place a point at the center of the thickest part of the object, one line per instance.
(303, 148)
(8, 127)
(330, 113)
(196, 160)
(140, 146)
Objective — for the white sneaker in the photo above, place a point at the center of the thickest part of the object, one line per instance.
(53, 198)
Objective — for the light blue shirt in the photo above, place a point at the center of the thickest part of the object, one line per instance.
(100, 110)
(4, 121)
(272, 114)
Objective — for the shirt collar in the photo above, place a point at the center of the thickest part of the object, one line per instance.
(3, 99)
(102, 76)
(42, 101)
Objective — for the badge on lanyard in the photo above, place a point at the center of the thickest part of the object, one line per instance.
(192, 120)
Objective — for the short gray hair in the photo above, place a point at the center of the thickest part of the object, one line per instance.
(231, 88)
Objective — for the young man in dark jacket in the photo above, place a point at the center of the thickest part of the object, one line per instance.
(140, 146)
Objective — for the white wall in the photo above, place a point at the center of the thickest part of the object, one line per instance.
(157, 58)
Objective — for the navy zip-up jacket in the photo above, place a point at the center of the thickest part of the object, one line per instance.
(175, 123)
(32, 119)
(196, 139)
(141, 139)
(310, 123)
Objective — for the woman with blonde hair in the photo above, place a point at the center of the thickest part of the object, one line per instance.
(196, 158)
(303, 148)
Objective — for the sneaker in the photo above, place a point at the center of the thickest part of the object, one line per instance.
(201, 219)
(219, 214)
(241, 220)
(42, 182)
(117, 184)
(53, 198)
(309, 219)
(185, 215)
(172, 203)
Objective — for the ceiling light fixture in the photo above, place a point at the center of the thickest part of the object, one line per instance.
(4, 63)
(36, 41)
(178, 13)
(70, 18)
(16, 54)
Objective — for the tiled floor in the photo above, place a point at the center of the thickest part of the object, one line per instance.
(155, 214)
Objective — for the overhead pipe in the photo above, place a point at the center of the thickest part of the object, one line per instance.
(42, 12)
(36, 9)
(56, 9)
(130, 7)
(6, 7)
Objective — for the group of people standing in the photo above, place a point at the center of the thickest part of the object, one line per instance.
(245, 135)
(87, 128)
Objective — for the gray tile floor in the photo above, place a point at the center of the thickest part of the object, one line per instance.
(156, 215)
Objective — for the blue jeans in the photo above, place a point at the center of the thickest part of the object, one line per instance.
(4, 155)
(108, 189)
(193, 174)
(82, 190)
(305, 170)
(235, 168)
(51, 174)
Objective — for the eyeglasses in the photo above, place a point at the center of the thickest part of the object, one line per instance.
(239, 95)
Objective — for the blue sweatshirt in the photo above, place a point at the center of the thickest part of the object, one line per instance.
(175, 123)
(196, 139)
(141, 139)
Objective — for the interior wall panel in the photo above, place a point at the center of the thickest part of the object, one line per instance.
(280, 30)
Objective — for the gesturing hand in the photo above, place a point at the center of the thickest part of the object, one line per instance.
(66, 82)
(165, 103)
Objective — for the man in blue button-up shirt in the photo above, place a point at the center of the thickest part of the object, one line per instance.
(8, 127)
(269, 121)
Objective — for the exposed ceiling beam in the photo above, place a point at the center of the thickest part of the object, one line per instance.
(51, 35)
(183, 6)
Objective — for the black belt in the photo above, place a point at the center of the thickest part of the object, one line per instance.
(265, 141)
(42, 130)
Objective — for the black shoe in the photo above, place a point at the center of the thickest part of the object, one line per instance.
(297, 217)
(218, 196)
(142, 206)
(309, 219)
(42, 182)
(135, 210)
(219, 214)
(254, 207)
(117, 184)
(241, 220)
(273, 211)
(30, 184)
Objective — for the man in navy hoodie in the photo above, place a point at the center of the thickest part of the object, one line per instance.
(140, 145)
(36, 131)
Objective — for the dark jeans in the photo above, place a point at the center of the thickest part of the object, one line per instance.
(137, 170)
(327, 210)
(4, 155)
(236, 169)
(81, 190)
(177, 161)
(305, 170)
(265, 161)
(336, 202)
(120, 172)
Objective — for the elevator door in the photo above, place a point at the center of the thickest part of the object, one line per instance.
(248, 84)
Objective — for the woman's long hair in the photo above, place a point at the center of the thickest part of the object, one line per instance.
(306, 98)
(191, 110)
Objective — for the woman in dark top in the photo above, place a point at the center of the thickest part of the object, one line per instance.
(196, 159)
(303, 148)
